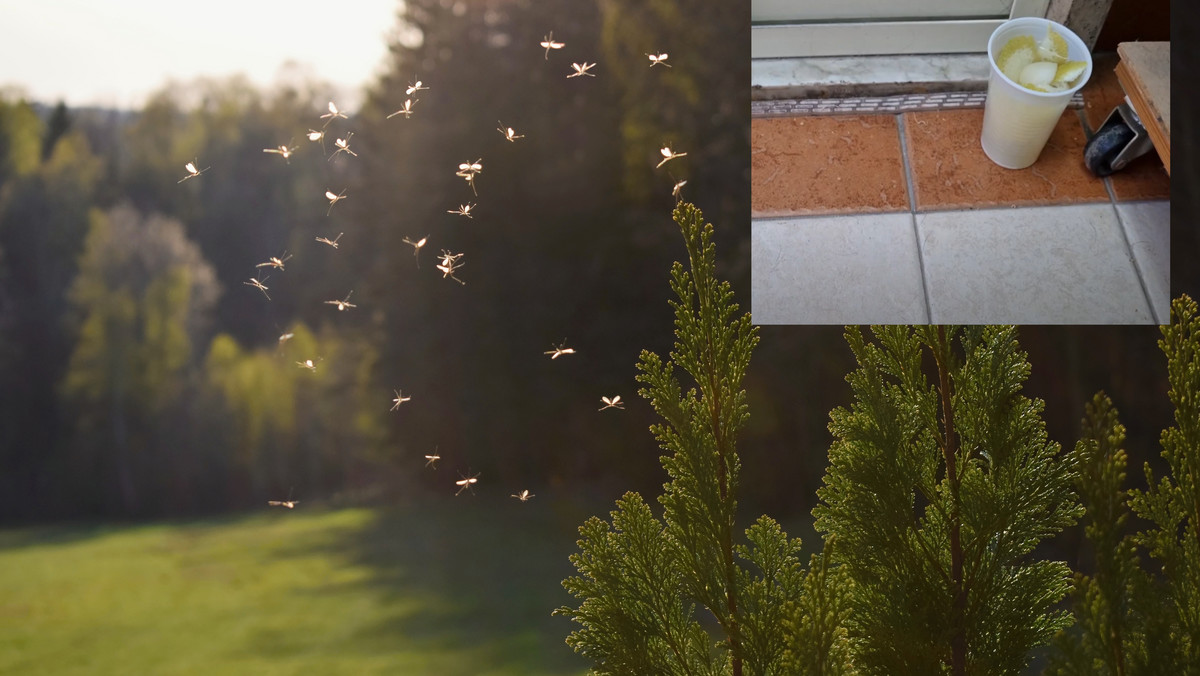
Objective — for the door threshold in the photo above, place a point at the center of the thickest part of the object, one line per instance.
(847, 76)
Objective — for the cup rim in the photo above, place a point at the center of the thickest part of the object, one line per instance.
(1068, 34)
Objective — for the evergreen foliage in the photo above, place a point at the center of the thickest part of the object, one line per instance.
(642, 580)
(817, 622)
(1172, 504)
(938, 493)
(1109, 636)
(1130, 620)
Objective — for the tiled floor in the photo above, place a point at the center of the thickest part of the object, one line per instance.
(903, 219)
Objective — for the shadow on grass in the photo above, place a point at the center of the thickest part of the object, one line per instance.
(473, 575)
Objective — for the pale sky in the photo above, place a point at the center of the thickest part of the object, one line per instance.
(115, 52)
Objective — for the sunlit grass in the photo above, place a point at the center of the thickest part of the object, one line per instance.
(443, 587)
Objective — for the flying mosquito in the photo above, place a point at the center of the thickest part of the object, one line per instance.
(615, 402)
(462, 210)
(289, 503)
(559, 350)
(449, 264)
(342, 304)
(466, 483)
(283, 151)
(314, 136)
(449, 258)
(417, 247)
(333, 114)
(677, 191)
(285, 337)
(400, 399)
(309, 364)
(582, 69)
(192, 172)
(471, 180)
(406, 111)
(275, 262)
(414, 88)
(333, 199)
(258, 284)
(431, 460)
(343, 146)
(509, 134)
(668, 155)
(524, 495)
(331, 242)
(658, 60)
(467, 170)
(549, 43)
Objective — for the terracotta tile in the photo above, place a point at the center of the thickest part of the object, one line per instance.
(1144, 178)
(826, 165)
(950, 169)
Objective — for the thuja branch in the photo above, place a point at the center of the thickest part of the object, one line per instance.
(916, 607)
(704, 287)
(642, 581)
(958, 641)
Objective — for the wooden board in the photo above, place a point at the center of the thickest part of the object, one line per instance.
(1145, 74)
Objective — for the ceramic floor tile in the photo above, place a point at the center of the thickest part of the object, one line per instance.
(951, 171)
(824, 165)
(1148, 230)
(1044, 265)
(1144, 178)
(861, 269)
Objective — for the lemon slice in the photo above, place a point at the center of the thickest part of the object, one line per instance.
(1038, 74)
(1069, 72)
(1016, 54)
(1053, 48)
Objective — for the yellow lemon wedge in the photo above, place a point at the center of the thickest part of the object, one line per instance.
(1016, 54)
(1053, 48)
(1069, 72)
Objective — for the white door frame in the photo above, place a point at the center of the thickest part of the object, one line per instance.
(864, 38)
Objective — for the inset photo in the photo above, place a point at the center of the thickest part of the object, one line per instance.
(973, 162)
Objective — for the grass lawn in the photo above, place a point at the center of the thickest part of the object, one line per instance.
(444, 586)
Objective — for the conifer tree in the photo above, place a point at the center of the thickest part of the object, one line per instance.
(1132, 620)
(641, 579)
(937, 493)
(1172, 505)
(1107, 639)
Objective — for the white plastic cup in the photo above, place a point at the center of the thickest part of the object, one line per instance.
(1018, 121)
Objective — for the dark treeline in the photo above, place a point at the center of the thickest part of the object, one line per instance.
(142, 377)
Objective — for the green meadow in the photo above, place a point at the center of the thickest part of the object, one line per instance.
(443, 586)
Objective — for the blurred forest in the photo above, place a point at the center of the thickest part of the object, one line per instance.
(143, 378)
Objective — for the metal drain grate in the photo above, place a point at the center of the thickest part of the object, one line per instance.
(878, 104)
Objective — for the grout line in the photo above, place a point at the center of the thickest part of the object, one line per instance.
(944, 208)
(1137, 268)
(912, 214)
(822, 214)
